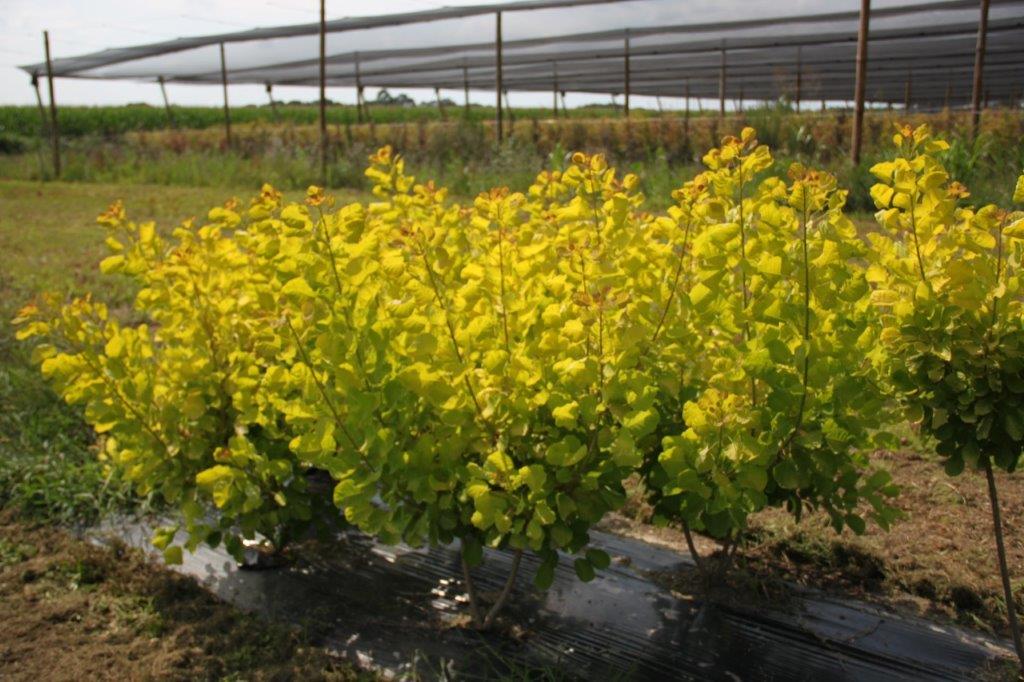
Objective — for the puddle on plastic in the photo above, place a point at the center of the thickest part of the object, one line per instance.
(391, 609)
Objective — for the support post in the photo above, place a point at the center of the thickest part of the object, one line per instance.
(224, 84)
(626, 74)
(440, 106)
(323, 92)
(167, 103)
(54, 129)
(564, 108)
(497, 78)
(43, 127)
(908, 90)
(359, 91)
(273, 104)
(686, 113)
(799, 79)
(979, 67)
(721, 86)
(465, 88)
(554, 88)
(860, 82)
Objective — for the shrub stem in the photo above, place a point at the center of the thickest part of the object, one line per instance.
(1004, 571)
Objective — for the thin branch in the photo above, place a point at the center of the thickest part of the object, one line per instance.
(1004, 571)
(698, 560)
(320, 386)
(505, 592)
(474, 603)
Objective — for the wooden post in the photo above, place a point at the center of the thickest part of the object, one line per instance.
(554, 88)
(979, 67)
(323, 92)
(721, 86)
(861, 80)
(799, 79)
(497, 77)
(359, 90)
(626, 75)
(686, 113)
(167, 103)
(224, 83)
(948, 107)
(465, 87)
(54, 128)
(273, 104)
(440, 106)
(44, 129)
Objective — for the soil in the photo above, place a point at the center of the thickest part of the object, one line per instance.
(937, 562)
(73, 611)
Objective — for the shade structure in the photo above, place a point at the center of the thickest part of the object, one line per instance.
(580, 46)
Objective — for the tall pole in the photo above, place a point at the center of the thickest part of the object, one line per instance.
(43, 127)
(440, 106)
(686, 112)
(273, 104)
(554, 88)
(54, 129)
(224, 83)
(626, 74)
(861, 80)
(497, 77)
(799, 78)
(721, 86)
(167, 102)
(465, 87)
(979, 67)
(323, 92)
(359, 90)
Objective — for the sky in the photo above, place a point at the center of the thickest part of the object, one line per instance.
(83, 26)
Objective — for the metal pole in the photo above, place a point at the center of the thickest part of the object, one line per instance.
(799, 78)
(323, 92)
(861, 80)
(465, 87)
(626, 74)
(224, 82)
(54, 129)
(167, 103)
(721, 86)
(497, 77)
(979, 67)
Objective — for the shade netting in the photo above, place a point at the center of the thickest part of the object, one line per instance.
(921, 50)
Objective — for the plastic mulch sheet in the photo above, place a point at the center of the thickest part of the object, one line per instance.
(393, 609)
